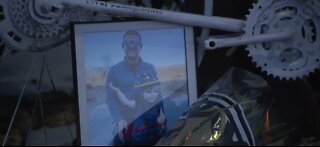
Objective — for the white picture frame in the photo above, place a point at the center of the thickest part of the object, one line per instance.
(97, 46)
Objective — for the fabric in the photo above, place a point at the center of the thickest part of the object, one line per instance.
(146, 130)
(124, 76)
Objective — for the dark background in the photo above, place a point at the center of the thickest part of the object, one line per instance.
(297, 102)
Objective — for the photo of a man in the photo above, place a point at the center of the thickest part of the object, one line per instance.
(136, 84)
(123, 75)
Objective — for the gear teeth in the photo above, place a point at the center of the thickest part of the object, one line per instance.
(254, 52)
(283, 78)
(254, 4)
(313, 71)
(268, 73)
(247, 16)
(295, 78)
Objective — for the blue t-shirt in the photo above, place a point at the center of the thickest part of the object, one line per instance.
(124, 76)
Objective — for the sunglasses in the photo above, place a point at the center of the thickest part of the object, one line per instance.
(132, 43)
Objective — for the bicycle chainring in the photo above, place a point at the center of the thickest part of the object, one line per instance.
(22, 28)
(293, 58)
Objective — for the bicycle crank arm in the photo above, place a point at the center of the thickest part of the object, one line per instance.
(213, 22)
(215, 43)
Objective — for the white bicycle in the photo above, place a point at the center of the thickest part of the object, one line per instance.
(282, 36)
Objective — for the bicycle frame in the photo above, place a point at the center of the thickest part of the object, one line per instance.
(213, 22)
(220, 23)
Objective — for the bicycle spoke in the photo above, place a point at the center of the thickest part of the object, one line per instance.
(19, 100)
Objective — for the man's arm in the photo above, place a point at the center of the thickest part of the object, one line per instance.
(111, 97)
(123, 98)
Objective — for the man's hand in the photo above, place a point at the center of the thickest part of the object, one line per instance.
(161, 119)
(120, 95)
(122, 124)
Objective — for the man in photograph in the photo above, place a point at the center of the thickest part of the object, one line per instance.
(123, 75)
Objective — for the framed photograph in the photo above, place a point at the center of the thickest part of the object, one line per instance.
(132, 79)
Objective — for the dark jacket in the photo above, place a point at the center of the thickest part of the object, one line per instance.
(145, 130)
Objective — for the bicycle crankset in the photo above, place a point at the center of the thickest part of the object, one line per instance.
(292, 58)
(25, 27)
